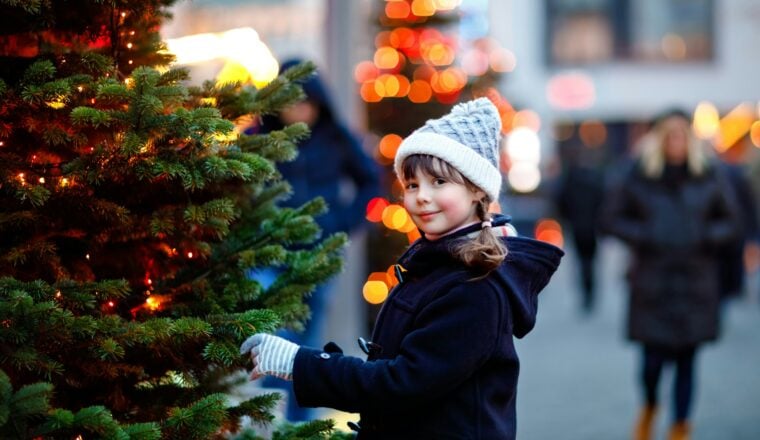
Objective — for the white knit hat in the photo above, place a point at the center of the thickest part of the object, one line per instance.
(467, 138)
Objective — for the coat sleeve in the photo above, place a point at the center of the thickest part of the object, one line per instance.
(453, 336)
(724, 224)
(619, 215)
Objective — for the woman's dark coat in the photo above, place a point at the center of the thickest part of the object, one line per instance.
(447, 366)
(675, 226)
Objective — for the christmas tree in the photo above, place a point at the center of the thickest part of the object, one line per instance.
(131, 213)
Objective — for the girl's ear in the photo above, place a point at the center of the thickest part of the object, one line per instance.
(480, 195)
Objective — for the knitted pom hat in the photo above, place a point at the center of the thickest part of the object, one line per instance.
(467, 138)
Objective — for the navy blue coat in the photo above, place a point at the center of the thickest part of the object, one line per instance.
(446, 367)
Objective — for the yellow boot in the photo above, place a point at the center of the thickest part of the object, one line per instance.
(680, 431)
(643, 428)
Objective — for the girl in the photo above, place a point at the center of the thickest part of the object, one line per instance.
(674, 210)
(442, 362)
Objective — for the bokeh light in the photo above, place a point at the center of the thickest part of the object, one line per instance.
(375, 208)
(524, 177)
(593, 133)
(375, 292)
(549, 231)
(389, 145)
(706, 120)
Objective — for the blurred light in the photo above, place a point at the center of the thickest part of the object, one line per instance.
(571, 91)
(241, 45)
(424, 72)
(398, 10)
(387, 57)
(502, 60)
(563, 132)
(446, 5)
(402, 38)
(437, 53)
(673, 46)
(391, 273)
(528, 119)
(368, 93)
(423, 8)
(383, 39)
(735, 125)
(523, 145)
(593, 133)
(524, 177)
(706, 120)
(365, 71)
(387, 85)
(420, 92)
(375, 209)
(754, 134)
(409, 226)
(394, 217)
(550, 231)
(389, 145)
(475, 62)
(414, 235)
(375, 292)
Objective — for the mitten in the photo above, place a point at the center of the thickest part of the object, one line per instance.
(271, 355)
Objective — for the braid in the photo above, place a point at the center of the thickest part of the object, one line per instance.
(486, 252)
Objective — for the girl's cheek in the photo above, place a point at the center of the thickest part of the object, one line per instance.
(452, 205)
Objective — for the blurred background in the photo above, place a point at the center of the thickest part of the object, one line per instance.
(577, 83)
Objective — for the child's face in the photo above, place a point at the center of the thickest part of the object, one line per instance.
(438, 205)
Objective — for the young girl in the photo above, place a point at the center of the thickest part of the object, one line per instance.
(442, 362)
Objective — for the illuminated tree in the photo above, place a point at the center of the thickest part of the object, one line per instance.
(130, 214)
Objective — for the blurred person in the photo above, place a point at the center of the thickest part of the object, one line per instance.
(442, 362)
(674, 210)
(578, 197)
(330, 164)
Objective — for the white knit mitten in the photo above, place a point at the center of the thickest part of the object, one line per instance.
(271, 355)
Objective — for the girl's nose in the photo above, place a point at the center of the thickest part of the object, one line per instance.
(423, 196)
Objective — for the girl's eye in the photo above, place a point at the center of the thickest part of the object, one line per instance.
(439, 181)
(410, 185)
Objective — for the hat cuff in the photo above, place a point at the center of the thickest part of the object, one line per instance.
(471, 164)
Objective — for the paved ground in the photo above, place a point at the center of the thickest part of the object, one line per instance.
(578, 377)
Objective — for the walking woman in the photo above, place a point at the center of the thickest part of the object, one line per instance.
(674, 210)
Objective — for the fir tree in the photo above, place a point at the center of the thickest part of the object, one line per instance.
(130, 213)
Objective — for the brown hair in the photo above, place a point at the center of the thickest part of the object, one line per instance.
(486, 251)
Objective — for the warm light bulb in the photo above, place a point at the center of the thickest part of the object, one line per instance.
(42, 180)
(189, 255)
(110, 304)
(87, 256)
(129, 45)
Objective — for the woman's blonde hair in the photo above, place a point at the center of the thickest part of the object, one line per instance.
(651, 150)
(485, 252)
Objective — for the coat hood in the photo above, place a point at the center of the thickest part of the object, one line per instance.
(525, 272)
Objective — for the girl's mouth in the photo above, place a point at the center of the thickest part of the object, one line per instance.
(427, 215)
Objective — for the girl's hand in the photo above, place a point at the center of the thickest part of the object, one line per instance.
(271, 355)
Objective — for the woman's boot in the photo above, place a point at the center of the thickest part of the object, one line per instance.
(645, 423)
(680, 431)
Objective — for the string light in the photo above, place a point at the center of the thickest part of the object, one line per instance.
(189, 255)
(129, 45)
(111, 304)
(22, 179)
(58, 294)
(42, 180)
(87, 256)
(64, 182)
